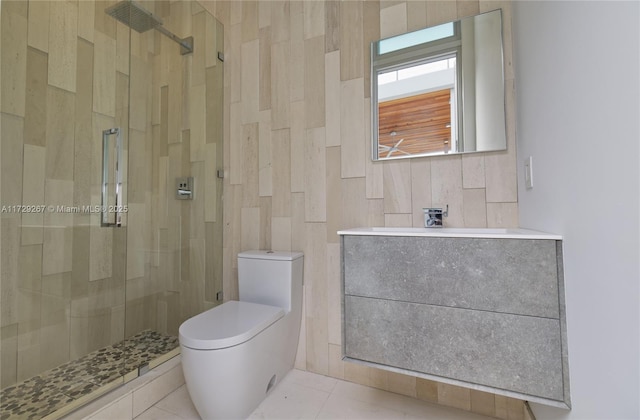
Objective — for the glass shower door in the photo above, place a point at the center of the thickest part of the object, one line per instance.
(64, 82)
(100, 261)
(174, 244)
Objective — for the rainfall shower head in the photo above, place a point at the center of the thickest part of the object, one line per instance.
(141, 20)
(134, 16)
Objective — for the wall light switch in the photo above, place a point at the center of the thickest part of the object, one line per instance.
(528, 172)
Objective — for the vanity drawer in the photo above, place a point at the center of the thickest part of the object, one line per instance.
(513, 276)
(503, 351)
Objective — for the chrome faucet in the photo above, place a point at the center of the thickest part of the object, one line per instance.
(433, 216)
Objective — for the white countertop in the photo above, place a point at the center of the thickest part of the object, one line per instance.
(491, 233)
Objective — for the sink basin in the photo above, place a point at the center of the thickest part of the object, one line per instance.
(496, 233)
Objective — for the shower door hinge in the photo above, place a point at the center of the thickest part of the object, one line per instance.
(143, 369)
(219, 296)
(221, 56)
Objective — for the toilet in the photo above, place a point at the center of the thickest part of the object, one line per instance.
(235, 353)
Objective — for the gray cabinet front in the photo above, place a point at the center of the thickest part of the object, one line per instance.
(485, 313)
(501, 275)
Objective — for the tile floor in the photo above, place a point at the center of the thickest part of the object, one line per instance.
(304, 395)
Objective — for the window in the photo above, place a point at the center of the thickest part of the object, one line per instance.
(415, 38)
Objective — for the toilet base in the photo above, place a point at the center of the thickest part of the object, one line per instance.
(230, 383)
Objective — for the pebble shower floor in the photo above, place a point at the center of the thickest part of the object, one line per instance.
(60, 390)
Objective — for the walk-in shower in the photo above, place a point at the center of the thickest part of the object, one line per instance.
(100, 115)
(136, 17)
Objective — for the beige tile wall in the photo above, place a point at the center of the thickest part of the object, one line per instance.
(313, 176)
(69, 72)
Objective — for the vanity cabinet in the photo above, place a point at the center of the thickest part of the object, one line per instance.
(483, 310)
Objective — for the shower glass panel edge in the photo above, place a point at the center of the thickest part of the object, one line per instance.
(174, 259)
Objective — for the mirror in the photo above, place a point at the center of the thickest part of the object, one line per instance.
(439, 90)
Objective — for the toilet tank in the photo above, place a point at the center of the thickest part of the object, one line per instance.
(270, 277)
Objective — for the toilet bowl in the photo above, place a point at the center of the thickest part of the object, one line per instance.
(235, 353)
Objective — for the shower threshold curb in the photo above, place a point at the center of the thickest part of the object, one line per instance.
(137, 395)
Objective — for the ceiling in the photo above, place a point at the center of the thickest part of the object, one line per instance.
(422, 122)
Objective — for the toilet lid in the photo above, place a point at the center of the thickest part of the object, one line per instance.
(227, 325)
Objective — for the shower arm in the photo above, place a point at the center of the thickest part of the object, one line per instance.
(186, 44)
(141, 20)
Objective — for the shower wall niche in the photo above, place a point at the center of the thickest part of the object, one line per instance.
(70, 286)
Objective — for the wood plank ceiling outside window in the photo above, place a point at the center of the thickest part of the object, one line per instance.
(422, 122)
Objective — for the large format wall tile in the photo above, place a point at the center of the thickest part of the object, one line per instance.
(314, 164)
(60, 134)
(352, 129)
(351, 46)
(63, 38)
(10, 270)
(316, 304)
(33, 193)
(393, 20)
(250, 81)
(332, 97)
(265, 170)
(280, 105)
(297, 134)
(36, 98)
(14, 74)
(314, 78)
(12, 161)
(104, 76)
(57, 251)
(86, 23)
(298, 54)
(397, 187)
(39, 25)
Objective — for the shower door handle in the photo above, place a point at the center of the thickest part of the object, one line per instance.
(112, 204)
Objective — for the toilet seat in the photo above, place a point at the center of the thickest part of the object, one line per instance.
(227, 325)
